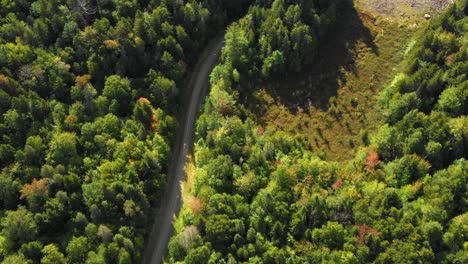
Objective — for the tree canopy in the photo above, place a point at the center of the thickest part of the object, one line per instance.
(88, 99)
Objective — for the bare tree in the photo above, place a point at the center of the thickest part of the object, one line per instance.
(187, 237)
(86, 7)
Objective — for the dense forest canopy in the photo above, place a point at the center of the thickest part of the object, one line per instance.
(256, 195)
(88, 96)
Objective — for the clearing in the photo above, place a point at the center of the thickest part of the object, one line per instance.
(331, 106)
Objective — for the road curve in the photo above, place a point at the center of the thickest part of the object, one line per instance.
(171, 202)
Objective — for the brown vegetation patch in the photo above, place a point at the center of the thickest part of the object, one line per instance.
(35, 187)
(195, 205)
(372, 161)
(364, 231)
(83, 80)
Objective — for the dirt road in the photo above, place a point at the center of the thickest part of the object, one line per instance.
(171, 202)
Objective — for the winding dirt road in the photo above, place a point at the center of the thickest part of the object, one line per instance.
(171, 202)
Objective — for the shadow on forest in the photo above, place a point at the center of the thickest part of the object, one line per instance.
(318, 82)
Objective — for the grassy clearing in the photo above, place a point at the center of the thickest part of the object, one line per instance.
(193, 203)
(332, 105)
(405, 11)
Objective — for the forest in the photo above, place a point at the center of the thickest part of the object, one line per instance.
(254, 194)
(87, 119)
(90, 99)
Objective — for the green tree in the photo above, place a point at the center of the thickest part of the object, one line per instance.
(273, 64)
(161, 89)
(331, 235)
(19, 226)
(118, 91)
(32, 250)
(52, 255)
(433, 232)
(34, 150)
(400, 105)
(456, 235)
(303, 47)
(9, 190)
(198, 255)
(453, 100)
(220, 100)
(219, 231)
(236, 48)
(143, 111)
(406, 170)
(77, 249)
(63, 150)
(15, 259)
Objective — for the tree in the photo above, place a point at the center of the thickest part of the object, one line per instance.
(218, 174)
(3, 247)
(235, 51)
(220, 100)
(77, 249)
(86, 8)
(15, 259)
(143, 112)
(171, 67)
(453, 100)
(277, 233)
(32, 250)
(387, 141)
(7, 154)
(405, 252)
(34, 150)
(273, 64)
(124, 257)
(372, 161)
(35, 193)
(15, 55)
(457, 233)
(433, 232)
(161, 89)
(63, 150)
(95, 258)
(400, 105)
(80, 221)
(406, 170)
(105, 233)
(19, 226)
(118, 91)
(303, 46)
(17, 123)
(9, 188)
(51, 255)
(331, 235)
(219, 231)
(198, 255)
(54, 215)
